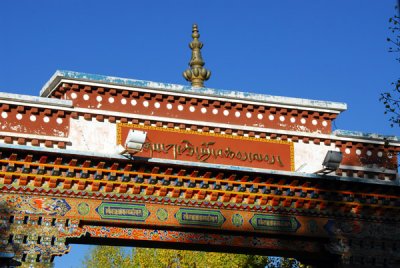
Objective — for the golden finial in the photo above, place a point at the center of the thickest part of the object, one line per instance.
(197, 74)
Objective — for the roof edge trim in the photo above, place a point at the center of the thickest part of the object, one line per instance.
(235, 95)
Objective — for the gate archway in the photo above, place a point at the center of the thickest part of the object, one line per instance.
(100, 159)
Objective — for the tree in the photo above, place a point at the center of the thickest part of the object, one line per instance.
(108, 256)
(391, 99)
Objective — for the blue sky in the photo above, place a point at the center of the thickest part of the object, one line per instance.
(316, 49)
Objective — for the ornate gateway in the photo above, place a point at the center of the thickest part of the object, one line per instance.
(98, 159)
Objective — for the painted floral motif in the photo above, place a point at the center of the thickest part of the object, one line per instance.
(37, 205)
(199, 238)
(83, 209)
(237, 220)
(162, 214)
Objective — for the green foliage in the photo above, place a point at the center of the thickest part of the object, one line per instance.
(106, 256)
(391, 99)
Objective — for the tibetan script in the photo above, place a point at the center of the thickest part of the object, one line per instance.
(186, 145)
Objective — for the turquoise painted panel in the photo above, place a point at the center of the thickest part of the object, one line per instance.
(123, 211)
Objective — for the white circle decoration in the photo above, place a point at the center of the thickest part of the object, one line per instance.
(369, 153)
(73, 95)
(203, 110)
(347, 151)
(281, 118)
(59, 121)
(380, 154)
(19, 116)
(46, 119)
(358, 152)
(111, 100)
(215, 111)
(133, 102)
(180, 107)
(303, 121)
(145, 103)
(226, 112)
(314, 122)
(324, 123)
(271, 117)
(260, 116)
(248, 115)
(292, 119)
(192, 109)
(99, 98)
(237, 114)
(32, 118)
(169, 106)
(86, 97)
(157, 105)
(4, 114)
(123, 101)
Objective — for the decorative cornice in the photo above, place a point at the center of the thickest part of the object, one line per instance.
(209, 93)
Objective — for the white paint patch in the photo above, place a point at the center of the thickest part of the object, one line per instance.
(260, 116)
(358, 152)
(281, 118)
(203, 110)
(303, 121)
(4, 115)
(32, 118)
(99, 98)
(226, 112)
(133, 102)
(237, 114)
(347, 151)
(271, 117)
(59, 121)
(92, 136)
(310, 156)
(46, 119)
(180, 107)
(123, 101)
(215, 111)
(324, 123)
(146, 103)
(169, 106)
(111, 100)
(73, 95)
(292, 120)
(192, 109)
(157, 105)
(314, 122)
(58, 133)
(86, 97)
(248, 115)
(19, 116)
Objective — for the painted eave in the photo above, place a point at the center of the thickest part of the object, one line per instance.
(59, 75)
(134, 159)
(28, 99)
(366, 136)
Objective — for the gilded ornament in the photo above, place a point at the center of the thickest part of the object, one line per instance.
(196, 74)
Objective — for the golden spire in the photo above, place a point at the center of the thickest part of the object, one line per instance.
(197, 74)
